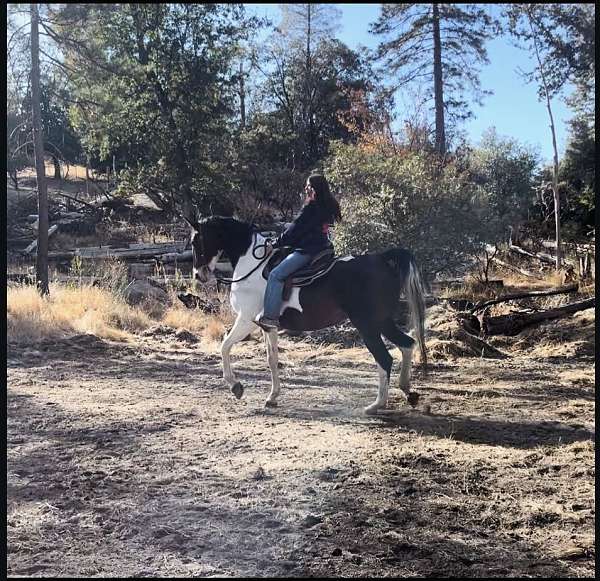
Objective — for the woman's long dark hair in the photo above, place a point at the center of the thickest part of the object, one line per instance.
(324, 199)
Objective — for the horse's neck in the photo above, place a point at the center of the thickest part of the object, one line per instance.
(247, 261)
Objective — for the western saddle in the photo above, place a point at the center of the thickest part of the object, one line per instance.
(319, 266)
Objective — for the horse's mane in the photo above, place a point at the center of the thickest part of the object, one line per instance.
(235, 235)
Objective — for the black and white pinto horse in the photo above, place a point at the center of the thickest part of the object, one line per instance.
(364, 289)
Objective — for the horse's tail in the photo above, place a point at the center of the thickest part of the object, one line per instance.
(415, 291)
(403, 262)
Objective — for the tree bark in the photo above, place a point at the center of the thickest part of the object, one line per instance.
(513, 324)
(41, 265)
(438, 87)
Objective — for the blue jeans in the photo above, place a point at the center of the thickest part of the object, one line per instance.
(275, 284)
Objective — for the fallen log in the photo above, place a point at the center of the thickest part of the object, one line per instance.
(478, 345)
(133, 251)
(541, 256)
(515, 268)
(514, 323)
(75, 200)
(532, 294)
(577, 246)
(185, 256)
(33, 245)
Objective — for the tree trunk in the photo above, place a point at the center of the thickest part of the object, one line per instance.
(41, 266)
(15, 179)
(56, 163)
(242, 98)
(438, 87)
(309, 88)
(553, 131)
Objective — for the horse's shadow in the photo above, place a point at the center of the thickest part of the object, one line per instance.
(468, 429)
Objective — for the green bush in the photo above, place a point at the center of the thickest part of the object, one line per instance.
(407, 200)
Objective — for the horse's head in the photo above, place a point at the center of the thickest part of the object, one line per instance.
(214, 236)
(207, 247)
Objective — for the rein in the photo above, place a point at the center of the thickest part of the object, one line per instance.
(262, 259)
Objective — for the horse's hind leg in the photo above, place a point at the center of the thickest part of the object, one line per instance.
(374, 343)
(240, 329)
(273, 359)
(406, 344)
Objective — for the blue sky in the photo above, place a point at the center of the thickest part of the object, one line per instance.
(513, 108)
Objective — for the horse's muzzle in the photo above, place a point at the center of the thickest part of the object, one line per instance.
(202, 274)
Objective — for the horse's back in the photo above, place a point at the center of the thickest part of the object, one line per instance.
(362, 287)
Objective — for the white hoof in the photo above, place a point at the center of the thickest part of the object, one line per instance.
(372, 409)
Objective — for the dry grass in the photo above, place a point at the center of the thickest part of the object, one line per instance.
(102, 312)
(211, 328)
(86, 309)
(474, 290)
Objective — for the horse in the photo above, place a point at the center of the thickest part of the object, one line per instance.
(364, 289)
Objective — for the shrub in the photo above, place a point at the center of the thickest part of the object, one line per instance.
(408, 200)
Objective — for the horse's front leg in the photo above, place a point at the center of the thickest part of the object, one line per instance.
(273, 359)
(241, 328)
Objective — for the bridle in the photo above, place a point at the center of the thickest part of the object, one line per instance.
(262, 259)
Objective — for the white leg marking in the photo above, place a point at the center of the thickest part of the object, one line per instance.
(240, 329)
(407, 354)
(213, 263)
(382, 395)
(273, 359)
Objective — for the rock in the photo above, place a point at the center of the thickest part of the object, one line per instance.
(328, 474)
(311, 520)
(260, 474)
(158, 330)
(184, 335)
(336, 552)
(571, 552)
(141, 291)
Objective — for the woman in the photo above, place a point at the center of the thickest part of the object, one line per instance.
(307, 235)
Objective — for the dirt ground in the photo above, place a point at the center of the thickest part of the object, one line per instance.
(134, 460)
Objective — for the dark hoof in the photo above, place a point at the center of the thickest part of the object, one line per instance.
(413, 399)
(270, 404)
(237, 390)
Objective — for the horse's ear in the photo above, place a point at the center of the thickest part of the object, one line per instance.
(191, 219)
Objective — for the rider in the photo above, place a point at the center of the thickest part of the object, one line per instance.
(307, 235)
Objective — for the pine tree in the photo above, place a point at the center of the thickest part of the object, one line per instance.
(439, 45)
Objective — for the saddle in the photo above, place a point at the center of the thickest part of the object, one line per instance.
(320, 265)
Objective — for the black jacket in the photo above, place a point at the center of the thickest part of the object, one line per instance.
(307, 233)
